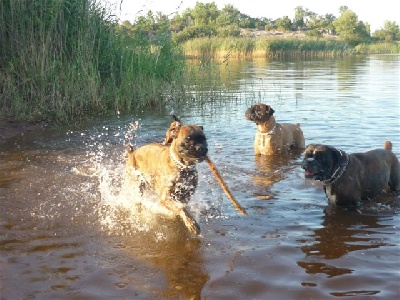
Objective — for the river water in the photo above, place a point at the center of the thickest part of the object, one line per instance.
(71, 226)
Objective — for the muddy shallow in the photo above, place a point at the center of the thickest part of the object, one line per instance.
(71, 226)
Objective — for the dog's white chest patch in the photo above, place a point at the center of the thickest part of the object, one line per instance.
(330, 195)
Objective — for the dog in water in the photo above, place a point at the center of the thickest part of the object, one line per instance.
(170, 168)
(272, 137)
(350, 178)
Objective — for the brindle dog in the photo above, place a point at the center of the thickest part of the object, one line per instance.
(170, 169)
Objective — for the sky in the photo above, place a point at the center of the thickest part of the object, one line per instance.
(372, 12)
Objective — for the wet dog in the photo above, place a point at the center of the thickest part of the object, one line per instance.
(350, 178)
(273, 137)
(172, 133)
(170, 169)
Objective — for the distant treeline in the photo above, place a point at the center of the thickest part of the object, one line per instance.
(206, 20)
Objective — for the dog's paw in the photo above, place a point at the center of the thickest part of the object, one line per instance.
(190, 223)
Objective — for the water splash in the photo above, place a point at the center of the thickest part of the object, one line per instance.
(122, 209)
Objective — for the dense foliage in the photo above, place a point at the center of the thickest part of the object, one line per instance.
(206, 20)
(67, 59)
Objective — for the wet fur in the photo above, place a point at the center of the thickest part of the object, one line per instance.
(366, 175)
(273, 137)
(174, 185)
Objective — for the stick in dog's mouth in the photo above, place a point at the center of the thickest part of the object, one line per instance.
(168, 140)
(224, 186)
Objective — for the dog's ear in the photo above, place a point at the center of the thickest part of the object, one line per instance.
(172, 132)
(130, 148)
(271, 111)
(176, 118)
(336, 155)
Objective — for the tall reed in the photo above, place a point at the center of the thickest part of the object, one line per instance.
(67, 59)
(265, 47)
(379, 48)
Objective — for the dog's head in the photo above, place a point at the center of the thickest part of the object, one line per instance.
(320, 161)
(259, 113)
(190, 143)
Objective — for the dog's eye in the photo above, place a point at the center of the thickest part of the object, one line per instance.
(318, 155)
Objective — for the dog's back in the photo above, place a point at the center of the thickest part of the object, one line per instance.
(375, 162)
(294, 136)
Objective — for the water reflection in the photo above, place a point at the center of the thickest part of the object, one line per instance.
(178, 256)
(341, 234)
(270, 170)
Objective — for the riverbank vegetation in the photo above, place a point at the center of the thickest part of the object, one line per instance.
(268, 47)
(67, 60)
(206, 30)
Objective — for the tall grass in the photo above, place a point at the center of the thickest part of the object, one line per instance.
(265, 47)
(68, 59)
(379, 48)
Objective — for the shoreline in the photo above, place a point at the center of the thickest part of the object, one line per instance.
(13, 128)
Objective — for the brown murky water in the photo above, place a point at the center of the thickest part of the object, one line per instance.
(70, 227)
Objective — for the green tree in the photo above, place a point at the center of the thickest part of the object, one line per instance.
(389, 33)
(246, 21)
(260, 23)
(228, 21)
(327, 23)
(299, 15)
(229, 15)
(350, 29)
(205, 13)
(284, 23)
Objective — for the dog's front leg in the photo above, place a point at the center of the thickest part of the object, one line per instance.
(181, 211)
(189, 221)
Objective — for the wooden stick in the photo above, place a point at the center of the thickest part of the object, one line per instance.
(224, 187)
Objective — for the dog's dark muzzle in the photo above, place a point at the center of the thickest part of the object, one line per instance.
(200, 152)
(195, 152)
(310, 168)
(251, 115)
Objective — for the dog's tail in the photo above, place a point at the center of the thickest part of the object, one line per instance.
(388, 145)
